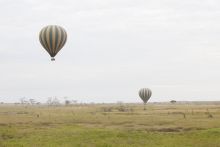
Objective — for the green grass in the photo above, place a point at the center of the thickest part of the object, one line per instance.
(89, 126)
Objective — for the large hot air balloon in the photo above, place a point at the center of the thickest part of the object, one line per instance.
(53, 38)
(145, 94)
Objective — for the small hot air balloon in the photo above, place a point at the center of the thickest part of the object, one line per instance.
(145, 94)
(53, 38)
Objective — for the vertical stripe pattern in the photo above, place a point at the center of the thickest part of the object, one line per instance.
(53, 38)
(145, 94)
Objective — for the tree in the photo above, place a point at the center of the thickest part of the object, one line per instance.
(67, 102)
(53, 101)
(74, 101)
(23, 101)
(173, 101)
(32, 101)
(49, 101)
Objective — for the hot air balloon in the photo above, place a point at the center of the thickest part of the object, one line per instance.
(145, 94)
(53, 38)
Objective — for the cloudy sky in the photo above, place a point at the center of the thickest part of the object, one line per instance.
(114, 47)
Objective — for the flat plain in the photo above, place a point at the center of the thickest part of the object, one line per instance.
(110, 125)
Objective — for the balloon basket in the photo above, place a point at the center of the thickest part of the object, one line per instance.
(52, 59)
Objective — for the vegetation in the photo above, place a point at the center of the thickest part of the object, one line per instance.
(173, 101)
(161, 125)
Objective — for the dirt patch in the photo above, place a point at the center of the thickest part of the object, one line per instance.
(173, 129)
(3, 124)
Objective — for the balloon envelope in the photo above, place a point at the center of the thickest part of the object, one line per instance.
(145, 94)
(53, 38)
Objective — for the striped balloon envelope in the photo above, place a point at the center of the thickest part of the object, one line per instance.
(145, 94)
(53, 38)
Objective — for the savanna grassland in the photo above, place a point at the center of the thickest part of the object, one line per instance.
(110, 125)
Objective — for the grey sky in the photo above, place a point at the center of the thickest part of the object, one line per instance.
(113, 48)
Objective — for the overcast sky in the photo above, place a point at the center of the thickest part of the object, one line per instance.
(114, 48)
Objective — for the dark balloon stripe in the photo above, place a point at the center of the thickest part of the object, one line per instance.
(51, 39)
(61, 37)
(61, 41)
(45, 40)
(41, 40)
(56, 38)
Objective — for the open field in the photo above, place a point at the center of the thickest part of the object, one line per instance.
(111, 125)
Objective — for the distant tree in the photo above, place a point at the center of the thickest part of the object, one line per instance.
(67, 102)
(173, 101)
(56, 102)
(49, 101)
(74, 101)
(23, 101)
(53, 101)
(38, 103)
(32, 101)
